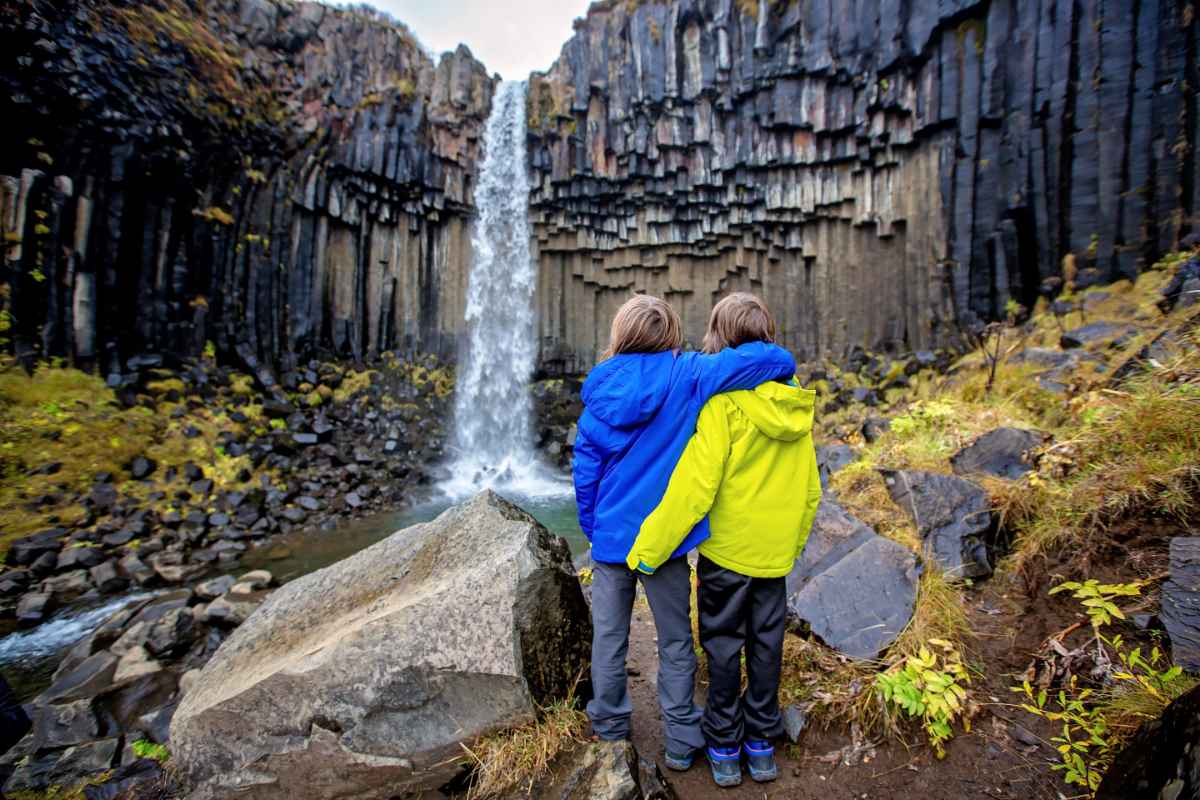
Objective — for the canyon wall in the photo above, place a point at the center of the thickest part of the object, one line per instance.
(879, 170)
(270, 177)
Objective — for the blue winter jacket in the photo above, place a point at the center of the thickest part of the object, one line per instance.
(640, 409)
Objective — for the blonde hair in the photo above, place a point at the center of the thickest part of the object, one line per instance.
(739, 318)
(644, 324)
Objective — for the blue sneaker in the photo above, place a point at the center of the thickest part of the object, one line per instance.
(760, 759)
(726, 764)
(677, 762)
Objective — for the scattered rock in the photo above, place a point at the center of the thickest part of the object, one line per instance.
(32, 608)
(474, 618)
(106, 577)
(953, 517)
(1094, 332)
(795, 721)
(1000, 452)
(853, 588)
(874, 427)
(834, 457)
(215, 587)
(1180, 612)
(142, 468)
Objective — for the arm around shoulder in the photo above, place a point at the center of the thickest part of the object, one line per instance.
(741, 368)
(690, 492)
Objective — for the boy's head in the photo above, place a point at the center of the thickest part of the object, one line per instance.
(645, 324)
(739, 318)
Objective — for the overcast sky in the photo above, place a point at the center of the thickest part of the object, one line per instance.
(512, 38)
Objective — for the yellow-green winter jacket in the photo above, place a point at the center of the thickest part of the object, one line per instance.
(751, 467)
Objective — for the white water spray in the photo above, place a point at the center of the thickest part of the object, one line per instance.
(493, 415)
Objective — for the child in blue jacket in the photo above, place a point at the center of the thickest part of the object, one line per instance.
(641, 403)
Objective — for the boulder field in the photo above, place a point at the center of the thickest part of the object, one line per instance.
(362, 679)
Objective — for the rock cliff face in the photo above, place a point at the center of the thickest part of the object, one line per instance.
(284, 177)
(875, 169)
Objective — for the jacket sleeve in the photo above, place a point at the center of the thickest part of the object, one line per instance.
(741, 368)
(690, 492)
(586, 466)
(812, 497)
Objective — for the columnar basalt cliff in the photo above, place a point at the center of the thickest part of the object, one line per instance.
(876, 170)
(276, 178)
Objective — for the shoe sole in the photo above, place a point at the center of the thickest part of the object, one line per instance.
(677, 766)
(764, 777)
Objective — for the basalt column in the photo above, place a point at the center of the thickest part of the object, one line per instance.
(880, 172)
(275, 178)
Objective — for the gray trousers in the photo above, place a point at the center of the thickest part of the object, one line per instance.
(668, 591)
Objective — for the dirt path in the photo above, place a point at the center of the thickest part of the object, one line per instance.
(988, 762)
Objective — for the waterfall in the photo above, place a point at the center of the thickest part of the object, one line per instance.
(493, 415)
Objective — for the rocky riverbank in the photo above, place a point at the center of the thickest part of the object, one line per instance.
(164, 475)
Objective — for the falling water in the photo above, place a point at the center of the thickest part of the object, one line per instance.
(492, 411)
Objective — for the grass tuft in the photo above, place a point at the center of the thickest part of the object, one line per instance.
(520, 757)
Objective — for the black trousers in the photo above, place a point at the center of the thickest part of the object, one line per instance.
(739, 612)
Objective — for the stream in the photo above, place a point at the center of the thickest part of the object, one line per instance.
(29, 657)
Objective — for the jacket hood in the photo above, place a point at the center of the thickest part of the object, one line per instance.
(778, 410)
(627, 390)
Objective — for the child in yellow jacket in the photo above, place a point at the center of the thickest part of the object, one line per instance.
(751, 468)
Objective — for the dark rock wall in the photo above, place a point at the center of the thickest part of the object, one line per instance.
(875, 169)
(286, 177)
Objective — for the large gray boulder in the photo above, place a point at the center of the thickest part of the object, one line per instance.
(361, 680)
(1180, 612)
(854, 588)
(953, 517)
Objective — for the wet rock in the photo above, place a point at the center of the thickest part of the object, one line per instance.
(1161, 761)
(79, 558)
(26, 550)
(86, 680)
(230, 610)
(33, 607)
(68, 586)
(64, 724)
(13, 582)
(174, 632)
(107, 578)
(855, 589)
(44, 565)
(136, 570)
(485, 561)
(215, 587)
(1000, 452)
(255, 581)
(953, 517)
(1180, 613)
